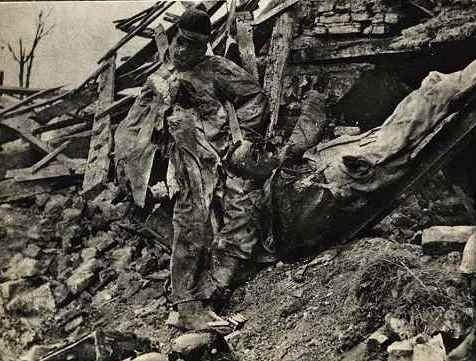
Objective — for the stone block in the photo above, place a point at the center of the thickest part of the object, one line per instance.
(22, 267)
(39, 301)
(400, 351)
(325, 6)
(192, 343)
(10, 288)
(335, 19)
(360, 16)
(151, 356)
(392, 18)
(83, 276)
(342, 29)
(434, 350)
(379, 29)
(445, 239)
(122, 257)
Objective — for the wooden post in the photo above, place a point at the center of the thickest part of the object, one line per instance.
(277, 58)
(162, 43)
(244, 29)
(97, 168)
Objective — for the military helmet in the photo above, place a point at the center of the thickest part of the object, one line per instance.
(195, 24)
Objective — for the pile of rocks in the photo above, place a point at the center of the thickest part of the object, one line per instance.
(68, 267)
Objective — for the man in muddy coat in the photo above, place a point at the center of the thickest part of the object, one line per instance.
(181, 116)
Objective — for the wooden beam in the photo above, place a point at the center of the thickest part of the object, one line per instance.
(73, 102)
(14, 90)
(29, 99)
(245, 42)
(162, 42)
(49, 157)
(100, 148)
(144, 23)
(274, 11)
(276, 63)
(60, 124)
(18, 125)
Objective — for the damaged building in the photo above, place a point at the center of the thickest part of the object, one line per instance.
(85, 274)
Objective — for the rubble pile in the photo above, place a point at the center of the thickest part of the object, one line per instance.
(70, 268)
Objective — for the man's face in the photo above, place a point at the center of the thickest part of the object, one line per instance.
(185, 53)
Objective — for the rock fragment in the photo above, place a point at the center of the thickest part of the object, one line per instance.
(122, 257)
(192, 345)
(400, 351)
(444, 239)
(151, 356)
(83, 276)
(22, 267)
(433, 350)
(37, 302)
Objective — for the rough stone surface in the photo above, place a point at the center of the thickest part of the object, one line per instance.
(400, 351)
(398, 327)
(55, 203)
(152, 356)
(444, 239)
(102, 242)
(32, 251)
(377, 340)
(88, 253)
(83, 276)
(36, 302)
(192, 342)
(434, 350)
(74, 324)
(10, 288)
(20, 267)
(122, 257)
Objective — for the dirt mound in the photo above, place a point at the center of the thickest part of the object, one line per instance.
(344, 297)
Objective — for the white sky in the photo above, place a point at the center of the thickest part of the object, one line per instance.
(83, 33)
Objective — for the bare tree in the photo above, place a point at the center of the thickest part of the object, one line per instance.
(25, 57)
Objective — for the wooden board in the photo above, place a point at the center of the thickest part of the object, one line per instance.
(100, 147)
(276, 63)
(245, 42)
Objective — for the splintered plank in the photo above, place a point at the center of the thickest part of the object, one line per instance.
(19, 125)
(97, 168)
(245, 41)
(161, 42)
(29, 99)
(274, 11)
(72, 102)
(276, 62)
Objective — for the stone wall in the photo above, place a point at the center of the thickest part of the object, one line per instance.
(367, 55)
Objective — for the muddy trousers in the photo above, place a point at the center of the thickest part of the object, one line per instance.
(194, 241)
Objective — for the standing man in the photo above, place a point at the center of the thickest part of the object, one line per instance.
(183, 105)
